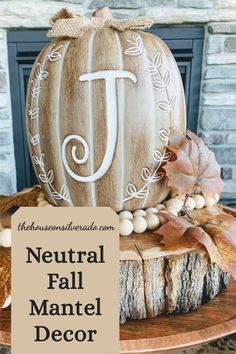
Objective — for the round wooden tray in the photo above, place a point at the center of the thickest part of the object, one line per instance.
(167, 333)
(170, 333)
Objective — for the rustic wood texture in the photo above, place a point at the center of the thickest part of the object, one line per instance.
(167, 333)
(5, 274)
(171, 333)
(60, 105)
(153, 281)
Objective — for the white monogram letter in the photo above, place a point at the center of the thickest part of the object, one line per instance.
(110, 77)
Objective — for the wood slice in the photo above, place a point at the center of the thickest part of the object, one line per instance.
(154, 282)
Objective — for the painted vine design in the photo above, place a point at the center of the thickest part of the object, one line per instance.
(160, 82)
(38, 157)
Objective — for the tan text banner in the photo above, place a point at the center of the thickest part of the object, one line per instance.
(65, 271)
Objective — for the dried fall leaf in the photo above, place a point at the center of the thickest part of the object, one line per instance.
(223, 233)
(217, 235)
(173, 230)
(27, 197)
(194, 165)
(9, 204)
(204, 239)
(5, 274)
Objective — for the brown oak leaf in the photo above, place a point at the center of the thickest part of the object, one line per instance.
(27, 197)
(194, 165)
(5, 274)
(9, 204)
(217, 235)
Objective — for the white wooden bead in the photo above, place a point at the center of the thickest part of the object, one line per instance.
(190, 204)
(199, 201)
(151, 210)
(160, 207)
(172, 211)
(217, 197)
(140, 224)
(5, 238)
(182, 197)
(125, 215)
(139, 212)
(7, 303)
(152, 221)
(175, 203)
(125, 227)
(209, 201)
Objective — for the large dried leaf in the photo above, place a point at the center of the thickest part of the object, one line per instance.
(217, 233)
(27, 197)
(5, 274)
(173, 230)
(195, 165)
(8, 205)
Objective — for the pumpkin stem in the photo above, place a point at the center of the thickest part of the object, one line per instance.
(103, 12)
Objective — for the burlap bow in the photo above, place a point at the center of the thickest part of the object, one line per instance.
(68, 24)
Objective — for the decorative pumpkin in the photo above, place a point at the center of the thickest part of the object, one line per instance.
(100, 108)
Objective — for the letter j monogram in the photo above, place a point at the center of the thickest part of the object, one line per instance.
(110, 77)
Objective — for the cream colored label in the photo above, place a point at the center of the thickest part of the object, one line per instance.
(65, 281)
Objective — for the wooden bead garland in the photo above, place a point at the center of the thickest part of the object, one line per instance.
(149, 219)
(172, 211)
(141, 220)
(175, 203)
(199, 201)
(190, 204)
(209, 201)
(160, 207)
(151, 210)
(5, 238)
(140, 224)
(152, 221)
(140, 212)
(125, 215)
(217, 197)
(126, 227)
(7, 303)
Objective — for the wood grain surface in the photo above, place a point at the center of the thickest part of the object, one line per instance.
(174, 332)
(59, 106)
(167, 332)
(154, 281)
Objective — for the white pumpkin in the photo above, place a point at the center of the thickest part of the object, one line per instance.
(98, 114)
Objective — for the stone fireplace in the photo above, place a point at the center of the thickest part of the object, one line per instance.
(215, 98)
